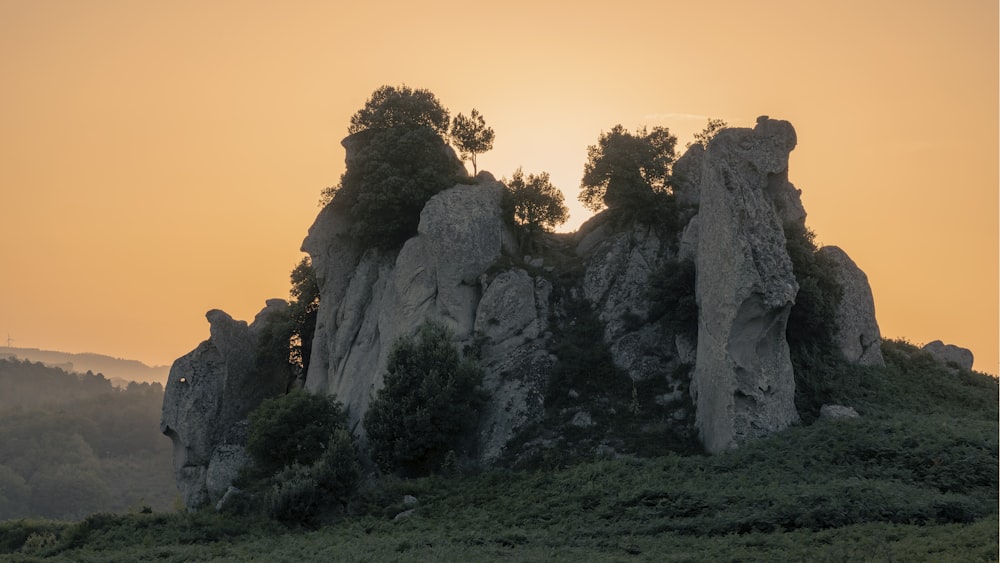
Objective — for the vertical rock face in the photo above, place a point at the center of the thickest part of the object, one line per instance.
(209, 394)
(369, 300)
(858, 335)
(743, 380)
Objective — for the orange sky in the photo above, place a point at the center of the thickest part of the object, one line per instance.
(160, 159)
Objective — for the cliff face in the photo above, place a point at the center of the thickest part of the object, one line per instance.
(464, 269)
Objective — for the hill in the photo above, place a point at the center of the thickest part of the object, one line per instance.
(914, 478)
(72, 444)
(120, 371)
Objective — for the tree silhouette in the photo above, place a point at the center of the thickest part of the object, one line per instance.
(471, 136)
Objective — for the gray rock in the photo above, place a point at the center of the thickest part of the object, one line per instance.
(404, 515)
(367, 305)
(833, 412)
(369, 300)
(950, 355)
(409, 500)
(210, 391)
(582, 419)
(858, 335)
(743, 381)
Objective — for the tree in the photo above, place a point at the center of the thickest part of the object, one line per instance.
(292, 428)
(623, 168)
(534, 202)
(709, 132)
(429, 400)
(391, 106)
(396, 161)
(304, 309)
(471, 136)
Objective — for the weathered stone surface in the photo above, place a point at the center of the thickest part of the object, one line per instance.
(368, 301)
(743, 380)
(833, 412)
(511, 328)
(619, 264)
(210, 391)
(858, 335)
(950, 355)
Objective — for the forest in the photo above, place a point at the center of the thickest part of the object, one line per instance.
(74, 444)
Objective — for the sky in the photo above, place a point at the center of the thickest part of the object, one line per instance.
(161, 159)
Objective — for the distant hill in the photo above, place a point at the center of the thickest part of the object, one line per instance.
(120, 371)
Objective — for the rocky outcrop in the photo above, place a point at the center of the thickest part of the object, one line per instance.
(371, 299)
(743, 380)
(858, 335)
(209, 394)
(950, 355)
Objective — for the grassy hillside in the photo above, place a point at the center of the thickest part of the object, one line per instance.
(913, 479)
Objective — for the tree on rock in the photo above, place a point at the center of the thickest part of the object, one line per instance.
(402, 106)
(396, 161)
(712, 128)
(534, 203)
(471, 136)
(623, 168)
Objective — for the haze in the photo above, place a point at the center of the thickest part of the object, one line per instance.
(160, 159)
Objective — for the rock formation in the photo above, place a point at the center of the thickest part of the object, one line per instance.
(743, 377)
(209, 393)
(858, 336)
(465, 270)
(371, 299)
(950, 355)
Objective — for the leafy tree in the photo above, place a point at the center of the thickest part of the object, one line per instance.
(709, 132)
(534, 202)
(429, 400)
(397, 160)
(292, 428)
(305, 307)
(471, 136)
(623, 168)
(402, 106)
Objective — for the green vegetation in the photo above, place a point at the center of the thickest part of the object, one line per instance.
(812, 325)
(471, 136)
(428, 404)
(304, 309)
(400, 106)
(399, 161)
(711, 129)
(304, 462)
(623, 169)
(73, 444)
(672, 298)
(533, 203)
(913, 479)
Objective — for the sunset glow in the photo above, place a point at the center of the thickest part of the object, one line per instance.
(161, 159)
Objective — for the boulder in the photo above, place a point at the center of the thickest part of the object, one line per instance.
(950, 355)
(743, 381)
(833, 412)
(858, 335)
(211, 390)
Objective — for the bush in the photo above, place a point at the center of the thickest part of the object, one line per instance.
(293, 428)
(429, 400)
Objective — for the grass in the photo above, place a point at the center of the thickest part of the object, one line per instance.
(913, 479)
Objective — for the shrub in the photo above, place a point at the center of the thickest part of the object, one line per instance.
(293, 428)
(429, 400)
